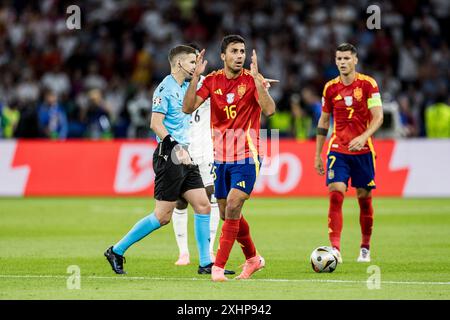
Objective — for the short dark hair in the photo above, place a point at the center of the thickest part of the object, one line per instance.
(346, 47)
(180, 50)
(194, 45)
(232, 38)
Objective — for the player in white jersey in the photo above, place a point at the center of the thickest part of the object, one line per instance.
(201, 152)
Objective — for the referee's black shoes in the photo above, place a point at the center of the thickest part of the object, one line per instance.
(115, 260)
(207, 270)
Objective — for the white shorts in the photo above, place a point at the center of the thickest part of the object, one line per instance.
(205, 167)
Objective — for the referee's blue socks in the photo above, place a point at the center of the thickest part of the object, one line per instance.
(141, 229)
(202, 234)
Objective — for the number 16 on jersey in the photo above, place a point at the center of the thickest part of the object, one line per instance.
(230, 111)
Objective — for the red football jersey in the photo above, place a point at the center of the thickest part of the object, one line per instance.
(235, 115)
(350, 106)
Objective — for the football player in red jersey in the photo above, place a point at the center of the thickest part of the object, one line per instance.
(238, 96)
(355, 103)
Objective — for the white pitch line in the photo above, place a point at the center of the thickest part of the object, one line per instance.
(118, 209)
(208, 279)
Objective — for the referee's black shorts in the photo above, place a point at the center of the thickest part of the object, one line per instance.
(172, 180)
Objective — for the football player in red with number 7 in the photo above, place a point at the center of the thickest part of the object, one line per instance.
(355, 103)
(238, 96)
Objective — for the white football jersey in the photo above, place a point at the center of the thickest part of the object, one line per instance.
(201, 146)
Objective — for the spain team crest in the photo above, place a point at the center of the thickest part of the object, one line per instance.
(357, 93)
(230, 97)
(348, 101)
(241, 90)
(330, 174)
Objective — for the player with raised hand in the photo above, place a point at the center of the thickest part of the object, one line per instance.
(238, 96)
(355, 103)
(175, 174)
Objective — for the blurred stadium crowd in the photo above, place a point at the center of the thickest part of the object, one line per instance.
(97, 82)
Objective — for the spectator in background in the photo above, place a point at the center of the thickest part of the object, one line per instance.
(437, 118)
(295, 39)
(28, 89)
(407, 119)
(94, 80)
(313, 106)
(9, 119)
(52, 118)
(7, 88)
(97, 116)
(408, 62)
(28, 126)
(116, 94)
(282, 121)
(114, 97)
(140, 108)
(301, 120)
(142, 73)
(57, 81)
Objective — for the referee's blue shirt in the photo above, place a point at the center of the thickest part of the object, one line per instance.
(168, 100)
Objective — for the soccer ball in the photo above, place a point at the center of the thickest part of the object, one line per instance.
(323, 259)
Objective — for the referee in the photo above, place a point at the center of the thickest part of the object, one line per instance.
(175, 174)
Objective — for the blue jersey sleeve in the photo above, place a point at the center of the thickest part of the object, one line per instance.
(160, 101)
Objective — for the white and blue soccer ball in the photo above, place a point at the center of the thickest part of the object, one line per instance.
(323, 259)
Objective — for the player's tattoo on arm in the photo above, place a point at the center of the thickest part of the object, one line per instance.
(322, 131)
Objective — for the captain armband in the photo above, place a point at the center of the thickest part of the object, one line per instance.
(374, 101)
(322, 132)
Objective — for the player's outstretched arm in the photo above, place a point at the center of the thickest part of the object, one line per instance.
(264, 99)
(322, 131)
(377, 120)
(191, 100)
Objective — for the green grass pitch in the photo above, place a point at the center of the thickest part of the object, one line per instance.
(41, 237)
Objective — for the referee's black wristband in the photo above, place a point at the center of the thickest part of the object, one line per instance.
(169, 143)
(322, 132)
